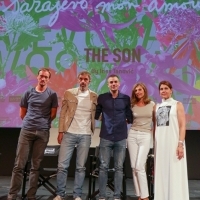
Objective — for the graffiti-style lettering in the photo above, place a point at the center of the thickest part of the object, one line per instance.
(169, 6)
(113, 6)
(40, 6)
(39, 51)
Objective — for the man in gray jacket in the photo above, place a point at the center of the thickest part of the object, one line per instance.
(76, 125)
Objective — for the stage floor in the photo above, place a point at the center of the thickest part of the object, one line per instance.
(43, 194)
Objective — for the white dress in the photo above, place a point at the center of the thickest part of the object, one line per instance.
(171, 181)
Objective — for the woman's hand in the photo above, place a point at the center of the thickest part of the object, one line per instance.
(180, 151)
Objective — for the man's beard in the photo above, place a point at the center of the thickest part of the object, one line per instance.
(42, 84)
(82, 87)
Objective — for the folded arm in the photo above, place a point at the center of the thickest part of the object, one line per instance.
(98, 114)
(53, 113)
(22, 112)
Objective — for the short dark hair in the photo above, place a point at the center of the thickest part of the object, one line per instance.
(167, 83)
(112, 76)
(44, 69)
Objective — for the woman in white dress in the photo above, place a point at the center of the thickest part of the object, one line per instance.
(139, 138)
(171, 181)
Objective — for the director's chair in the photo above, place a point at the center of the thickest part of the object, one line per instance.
(51, 150)
(150, 174)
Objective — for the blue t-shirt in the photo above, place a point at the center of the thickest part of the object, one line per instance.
(38, 106)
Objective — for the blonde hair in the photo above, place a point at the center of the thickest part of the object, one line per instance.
(134, 99)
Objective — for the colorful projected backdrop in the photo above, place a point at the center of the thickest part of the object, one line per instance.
(141, 41)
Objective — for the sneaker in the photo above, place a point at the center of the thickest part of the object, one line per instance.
(58, 198)
(77, 198)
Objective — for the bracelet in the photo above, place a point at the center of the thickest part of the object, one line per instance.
(182, 142)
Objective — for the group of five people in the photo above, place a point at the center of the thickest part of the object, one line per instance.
(80, 107)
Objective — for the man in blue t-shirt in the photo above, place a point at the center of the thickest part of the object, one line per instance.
(38, 108)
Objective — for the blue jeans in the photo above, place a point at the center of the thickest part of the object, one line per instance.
(119, 152)
(69, 141)
(28, 140)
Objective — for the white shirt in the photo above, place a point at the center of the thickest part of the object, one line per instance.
(81, 123)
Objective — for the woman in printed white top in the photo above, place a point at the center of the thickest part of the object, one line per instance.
(139, 138)
(171, 181)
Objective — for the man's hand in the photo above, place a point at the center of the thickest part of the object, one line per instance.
(60, 137)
